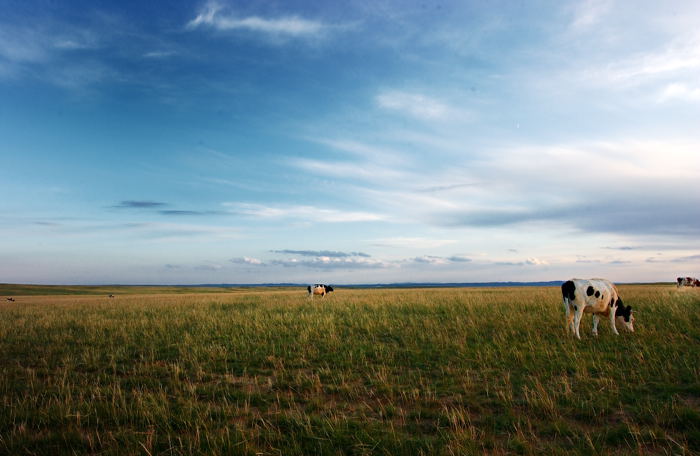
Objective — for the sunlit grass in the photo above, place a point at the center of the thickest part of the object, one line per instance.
(438, 371)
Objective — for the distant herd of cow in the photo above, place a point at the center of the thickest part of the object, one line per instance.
(687, 282)
(595, 296)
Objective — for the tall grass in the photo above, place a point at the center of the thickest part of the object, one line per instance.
(438, 371)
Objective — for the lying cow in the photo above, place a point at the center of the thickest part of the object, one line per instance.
(596, 296)
(687, 282)
(319, 289)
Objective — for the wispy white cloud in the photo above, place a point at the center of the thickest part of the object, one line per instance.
(47, 51)
(589, 12)
(41, 42)
(21, 45)
(384, 156)
(677, 59)
(536, 261)
(247, 260)
(430, 259)
(349, 169)
(419, 106)
(159, 54)
(152, 231)
(560, 185)
(215, 15)
(302, 213)
(321, 253)
(412, 242)
(325, 262)
(679, 91)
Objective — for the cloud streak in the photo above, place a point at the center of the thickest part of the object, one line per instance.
(321, 253)
(139, 204)
(301, 213)
(419, 106)
(247, 261)
(215, 16)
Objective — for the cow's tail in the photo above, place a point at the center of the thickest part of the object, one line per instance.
(568, 294)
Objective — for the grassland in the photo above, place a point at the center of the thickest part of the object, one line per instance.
(8, 289)
(389, 372)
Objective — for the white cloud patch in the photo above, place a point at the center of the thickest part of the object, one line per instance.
(349, 170)
(430, 259)
(214, 15)
(418, 105)
(247, 260)
(536, 261)
(679, 58)
(20, 45)
(302, 213)
(589, 13)
(412, 242)
(159, 54)
(325, 262)
(679, 91)
(439, 260)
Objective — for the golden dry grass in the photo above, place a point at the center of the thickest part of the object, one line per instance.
(403, 371)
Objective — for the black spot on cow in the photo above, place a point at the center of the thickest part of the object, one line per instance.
(568, 290)
(597, 294)
(622, 311)
(590, 290)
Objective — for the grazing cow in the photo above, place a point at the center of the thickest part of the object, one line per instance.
(596, 296)
(11, 299)
(319, 289)
(110, 296)
(687, 282)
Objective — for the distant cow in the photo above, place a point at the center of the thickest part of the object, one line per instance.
(11, 299)
(110, 296)
(596, 296)
(319, 289)
(687, 282)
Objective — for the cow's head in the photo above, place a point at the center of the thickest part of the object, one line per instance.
(329, 288)
(624, 316)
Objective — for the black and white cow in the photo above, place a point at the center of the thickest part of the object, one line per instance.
(596, 296)
(11, 299)
(319, 289)
(687, 282)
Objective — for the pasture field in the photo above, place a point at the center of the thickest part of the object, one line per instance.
(382, 371)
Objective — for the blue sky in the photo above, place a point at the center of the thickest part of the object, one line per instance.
(353, 142)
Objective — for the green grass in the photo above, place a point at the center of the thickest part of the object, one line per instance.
(9, 289)
(390, 372)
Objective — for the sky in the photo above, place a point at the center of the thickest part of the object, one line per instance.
(348, 142)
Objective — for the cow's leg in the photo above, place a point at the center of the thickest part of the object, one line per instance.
(569, 320)
(570, 323)
(613, 309)
(596, 319)
(577, 320)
